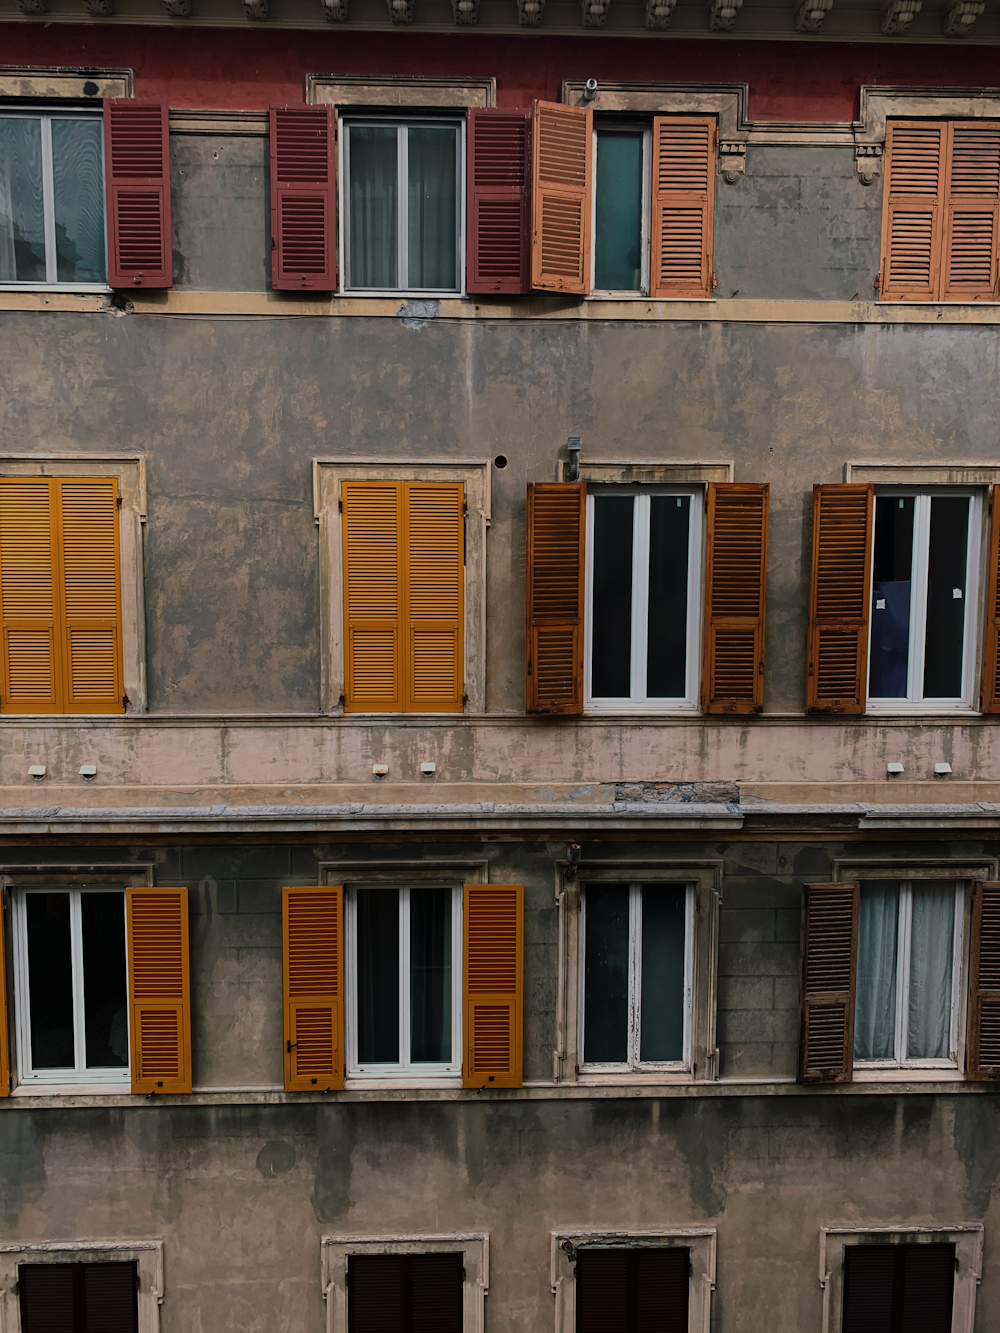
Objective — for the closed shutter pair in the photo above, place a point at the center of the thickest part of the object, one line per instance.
(735, 594)
(314, 997)
(829, 978)
(159, 992)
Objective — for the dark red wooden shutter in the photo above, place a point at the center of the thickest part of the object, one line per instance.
(79, 1298)
(137, 185)
(633, 1290)
(436, 1293)
(829, 971)
(48, 1298)
(109, 1297)
(983, 1060)
(404, 1293)
(375, 1293)
(303, 198)
(904, 1288)
(499, 192)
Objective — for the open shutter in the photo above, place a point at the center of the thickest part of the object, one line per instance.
(373, 583)
(829, 968)
(4, 1038)
(971, 214)
(137, 186)
(913, 210)
(499, 189)
(683, 206)
(312, 933)
(303, 200)
(492, 977)
(735, 589)
(433, 539)
(555, 570)
(562, 157)
(983, 1060)
(990, 699)
(29, 562)
(91, 595)
(839, 598)
(159, 989)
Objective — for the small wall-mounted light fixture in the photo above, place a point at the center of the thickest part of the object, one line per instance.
(37, 771)
(88, 772)
(380, 770)
(590, 90)
(573, 853)
(942, 770)
(428, 769)
(894, 770)
(573, 446)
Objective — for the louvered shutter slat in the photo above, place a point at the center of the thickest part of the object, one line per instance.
(434, 542)
(303, 198)
(555, 569)
(983, 1060)
(561, 175)
(312, 933)
(373, 579)
(971, 218)
(735, 587)
(492, 977)
(839, 598)
(829, 966)
(499, 188)
(915, 155)
(137, 187)
(683, 206)
(159, 989)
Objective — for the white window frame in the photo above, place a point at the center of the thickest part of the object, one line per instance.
(148, 1254)
(613, 127)
(915, 701)
(402, 125)
(638, 701)
(633, 1064)
(47, 115)
(403, 1070)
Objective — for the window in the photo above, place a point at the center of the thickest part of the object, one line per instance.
(621, 208)
(637, 950)
(78, 1297)
(52, 200)
(405, 1284)
(403, 205)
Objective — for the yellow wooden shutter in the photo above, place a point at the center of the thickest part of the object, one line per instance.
(373, 586)
(4, 1048)
(29, 595)
(492, 979)
(971, 212)
(312, 935)
(915, 153)
(159, 989)
(434, 543)
(91, 595)
(562, 155)
(683, 206)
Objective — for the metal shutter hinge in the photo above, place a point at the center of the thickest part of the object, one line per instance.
(118, 501)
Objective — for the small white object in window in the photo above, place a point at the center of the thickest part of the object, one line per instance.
(380, 770)
(37, 771)
(942, 770)
(427, 769)
(956, 592)
(88, 772)
(879, 603)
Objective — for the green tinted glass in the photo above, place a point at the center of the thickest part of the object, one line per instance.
(618, 221)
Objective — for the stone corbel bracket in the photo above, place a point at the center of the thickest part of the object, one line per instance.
(177, 9)
(334, 11)
(32, 6)
(400, 11)
(99, 9)
(529, 13)
(658, 13)
(958, 20)
(868, 161)
(732, 160)
(722, 15)
(256, 11)
(810, 14)
(594, 12)
(465, 12)
(899, 14)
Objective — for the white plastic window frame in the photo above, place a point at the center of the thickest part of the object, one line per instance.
(915, 702)
(402, 124)
(423, 1074)
(148, 1254)
(701, 1241)
(624, 127)
(46, 115)
(966, 1237)
(633, 1065)
(474, 1246)
(638, 701)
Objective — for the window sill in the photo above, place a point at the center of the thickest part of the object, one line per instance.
(908, 1074)
(594, 1078)
(923, 710)
(91, 1089)
(64, 288)
(383, 1083)
(639, 296)
(366, 294)
(630, 709)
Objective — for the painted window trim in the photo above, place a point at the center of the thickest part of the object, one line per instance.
(130, 471)
(700, 1240)
(148, 1254)
(966, 1236)
(475, 1248)
(328, 473)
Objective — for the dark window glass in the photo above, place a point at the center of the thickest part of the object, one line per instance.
(404, 1293)
(50, 980)
(618, 212)
(78, 186)
(666, 653)
(430, 975)
(661, 1032)
(898, 1288)
(378, 976)
(22, 214)
(633, 1290)
(611, 657)
(78, 1298)
(374, 206)
(946, 591)
(105, 987)
(892, 567)
(605, 1003)
(432, 207)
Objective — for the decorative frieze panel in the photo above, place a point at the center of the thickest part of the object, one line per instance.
(722, 15)
(658, 13)
(810, 15)
(958, 20)
(899, 14)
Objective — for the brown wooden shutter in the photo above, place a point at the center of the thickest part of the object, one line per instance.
(492, 978)
(4, 1038)
(499, 192)
(373, 594)
(405, 1293)
(29, 594)
(971, 213)
(555, 572)
(683, 206)
(983, 1060)
(633, 1289)
(735, 592)
(137, 187)
(913, 210)
(562, 157)
(303, 198)
(312, 934)
(829, 968)
(159, 989)
(434, 543)
(839, 598)
(990, 698)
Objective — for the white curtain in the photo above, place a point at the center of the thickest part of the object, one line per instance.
(932, 948)
(875, 998)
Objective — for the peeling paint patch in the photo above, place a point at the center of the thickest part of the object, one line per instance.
(415, 314)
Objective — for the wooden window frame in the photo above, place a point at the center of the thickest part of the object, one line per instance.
(701, 1241)
(147, 1254)
(967, 1237)
(624, 127)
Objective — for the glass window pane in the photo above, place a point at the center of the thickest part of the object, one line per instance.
(946, 592)
(105, 989)
(374, 206)
(378, 976)
(666, 653)
(433, 207)
(430, 975)
(605, 995)
(891, 573)
(932, 951)
(875, 1000)
(22, 222)
(78, 176)
(618, 212)
(611, 654)
(661, 1016)
(50, 980)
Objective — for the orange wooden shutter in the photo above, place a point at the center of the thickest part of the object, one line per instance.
(971, 214)
(561, 172)
(555, 569)
(913, 210)
(839, 597)
(373, 591)
(4, 1047)
(983, 1060)
(435, 573)
(303, 197)
(312, 932)
(683, 206)
(137, 185)
(29, 576)
(735, 591)
(91, 595)
(829, 967)
(492, 976)
(990, 699)
(159, 989)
